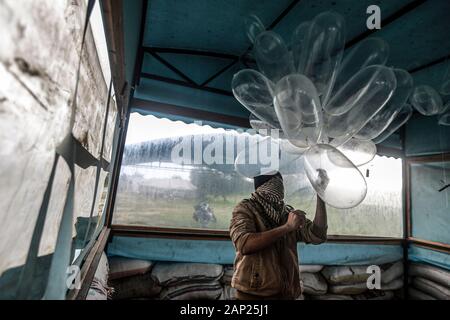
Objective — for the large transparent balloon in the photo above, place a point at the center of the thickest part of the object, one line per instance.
(259, 124)
(368, 52)
(363, 96)
(359, 152)
(385, 116)
(263, 128)
(288, 147)
(323, 139)
(298, 108)
(444, 119)
(372, 85)
(298, 43)
(446, 107)
(259, 157)
(445, 88)
(426, 100)
(254, 27)
(290, 163)
(323, 51)
(272, 56)
(330, 110)
(340, 186)
(401, 118)
(254, 91)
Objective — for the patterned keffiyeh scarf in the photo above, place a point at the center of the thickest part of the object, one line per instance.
(270, 196)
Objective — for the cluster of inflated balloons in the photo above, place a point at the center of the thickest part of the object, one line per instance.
(331, 107)
(427, 101)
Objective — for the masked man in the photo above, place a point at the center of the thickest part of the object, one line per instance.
(265, 232)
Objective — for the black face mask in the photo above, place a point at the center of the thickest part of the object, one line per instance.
(260, 180)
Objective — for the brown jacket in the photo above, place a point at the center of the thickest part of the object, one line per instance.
(272, 271)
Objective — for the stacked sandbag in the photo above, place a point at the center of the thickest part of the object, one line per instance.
(393, 281)
(350, 282)
(188, 281)
(313, 284)
(228, 272)
(391, 272)
(138, 279)
(140, 286)
(340, 275)
(415, 294)
(99, 289)
(331, 297)
(428, 282)
(121, 267)
(375, 295)
(131, 279)
(228, 293)
(193, 291)
(310, 268)
(359, 288)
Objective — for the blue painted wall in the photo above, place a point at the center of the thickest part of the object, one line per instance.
(222, 252)
(436, 258)
(424, 136)
(191, 98)
(132, 13)
(430, 208)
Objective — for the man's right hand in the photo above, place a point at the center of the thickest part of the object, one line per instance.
(260, 240)
(296, 220)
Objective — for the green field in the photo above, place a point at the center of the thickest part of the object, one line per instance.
(136, 209)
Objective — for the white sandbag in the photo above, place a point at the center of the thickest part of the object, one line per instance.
(313, 284)
(228, 293)
(393, 285)
(415, 294)
(193, 291)
(175, 273)
(331, 297)
(228, 272)
(432, 273)
(121, 267)
(431, 288)
(358, 288)
(310, 268)
(393, 272)
(345, 289)
(345, 274)
(135, 287)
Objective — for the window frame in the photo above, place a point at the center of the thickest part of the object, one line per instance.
(408, 161)
(221, 235)
(210, 234)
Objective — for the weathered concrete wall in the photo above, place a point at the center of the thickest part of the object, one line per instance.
(39, 53)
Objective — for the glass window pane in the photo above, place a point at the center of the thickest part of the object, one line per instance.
(430, 201)
(381, 212)
(154, 191)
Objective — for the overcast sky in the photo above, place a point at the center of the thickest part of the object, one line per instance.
(145, 128)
